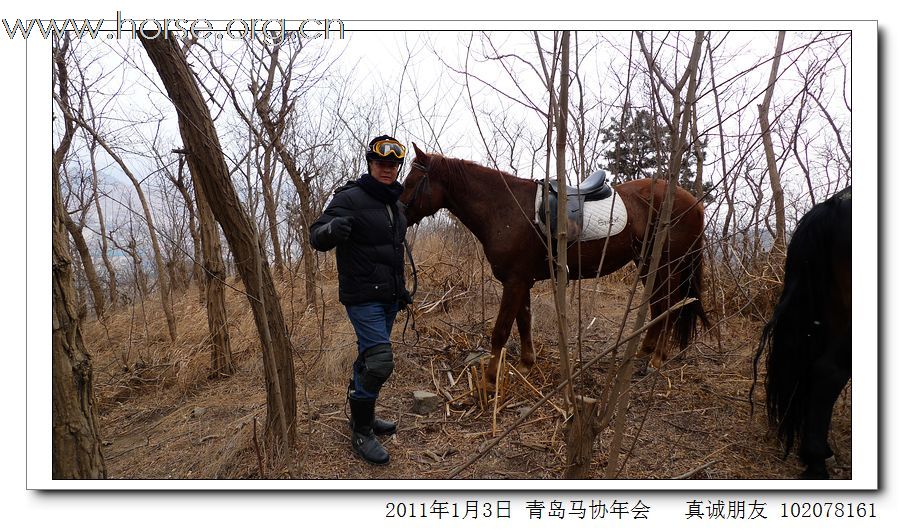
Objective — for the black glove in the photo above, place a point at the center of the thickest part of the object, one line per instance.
(339, 229)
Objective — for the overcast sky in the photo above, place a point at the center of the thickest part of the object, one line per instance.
(417, 78)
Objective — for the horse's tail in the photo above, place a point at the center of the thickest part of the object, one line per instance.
(691, 285)
(796, 334)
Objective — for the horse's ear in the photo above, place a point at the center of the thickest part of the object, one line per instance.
(417, 151)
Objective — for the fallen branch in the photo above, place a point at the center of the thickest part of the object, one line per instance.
(492, 443)
(532, 387)
(694, 471)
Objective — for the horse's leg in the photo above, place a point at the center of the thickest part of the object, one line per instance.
(652, 350)
(523, 319)
(669, 292)
(660, 354)
(655, 342)
(829, 375)
(513, 294)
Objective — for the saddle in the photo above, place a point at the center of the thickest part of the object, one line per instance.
(593, 188)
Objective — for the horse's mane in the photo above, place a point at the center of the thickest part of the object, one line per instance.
(460, 172)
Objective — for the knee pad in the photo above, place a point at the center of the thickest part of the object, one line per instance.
(378, 367)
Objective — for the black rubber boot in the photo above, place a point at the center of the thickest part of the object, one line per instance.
(383, 427)
(363, 440)
(380, 426)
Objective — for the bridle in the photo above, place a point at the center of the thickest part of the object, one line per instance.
(423, 186)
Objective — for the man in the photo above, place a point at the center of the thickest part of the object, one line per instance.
(366, 224)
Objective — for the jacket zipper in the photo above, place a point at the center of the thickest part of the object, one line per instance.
(395, 281)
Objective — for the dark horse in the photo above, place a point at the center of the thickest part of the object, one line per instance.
(808, 339)
(499, 209)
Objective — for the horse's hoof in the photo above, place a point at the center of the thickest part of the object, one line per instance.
(641, 368)
(523, 368)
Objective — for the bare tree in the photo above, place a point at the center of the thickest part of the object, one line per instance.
(182, 187)
(778, 194)
(274, 124)
(112, 286)
(75, 232)
(221, 362)
(74, 229)
(162, 279)
(75, 440)
(208, 169)
(679, 125)
(581, 432)
(267, 170)
(128, 245)
(275, 93)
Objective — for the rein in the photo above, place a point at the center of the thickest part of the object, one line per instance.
(408, 310)
(422, 187)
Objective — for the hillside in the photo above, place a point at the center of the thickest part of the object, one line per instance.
(161, 416)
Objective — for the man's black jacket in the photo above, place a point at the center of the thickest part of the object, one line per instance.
(371, 261)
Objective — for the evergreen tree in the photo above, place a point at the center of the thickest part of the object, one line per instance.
(641, 149)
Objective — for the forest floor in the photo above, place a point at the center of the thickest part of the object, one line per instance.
(161, 417)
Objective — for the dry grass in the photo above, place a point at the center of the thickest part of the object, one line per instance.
(162, 417)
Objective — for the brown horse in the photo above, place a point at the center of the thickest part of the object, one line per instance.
(499, 209)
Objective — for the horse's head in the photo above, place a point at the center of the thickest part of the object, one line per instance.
(424, 193)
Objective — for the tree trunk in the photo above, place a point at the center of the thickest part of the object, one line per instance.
(583, 428)
(155, 245)
(194, 230)
(87, 263)
(208, 168)
(76, 448)
(214, 281)
(562, 220)
(307, 253)
(76, 443)
(698, 154)
(580, 432)
(270, 210)
(158, 262)
(778, 195)
(177, 275)
(141, 280)
(102, 229)
(726, 181)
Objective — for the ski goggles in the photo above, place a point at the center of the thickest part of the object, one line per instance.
(389, 148)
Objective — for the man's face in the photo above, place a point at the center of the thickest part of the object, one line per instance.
(384, 172)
